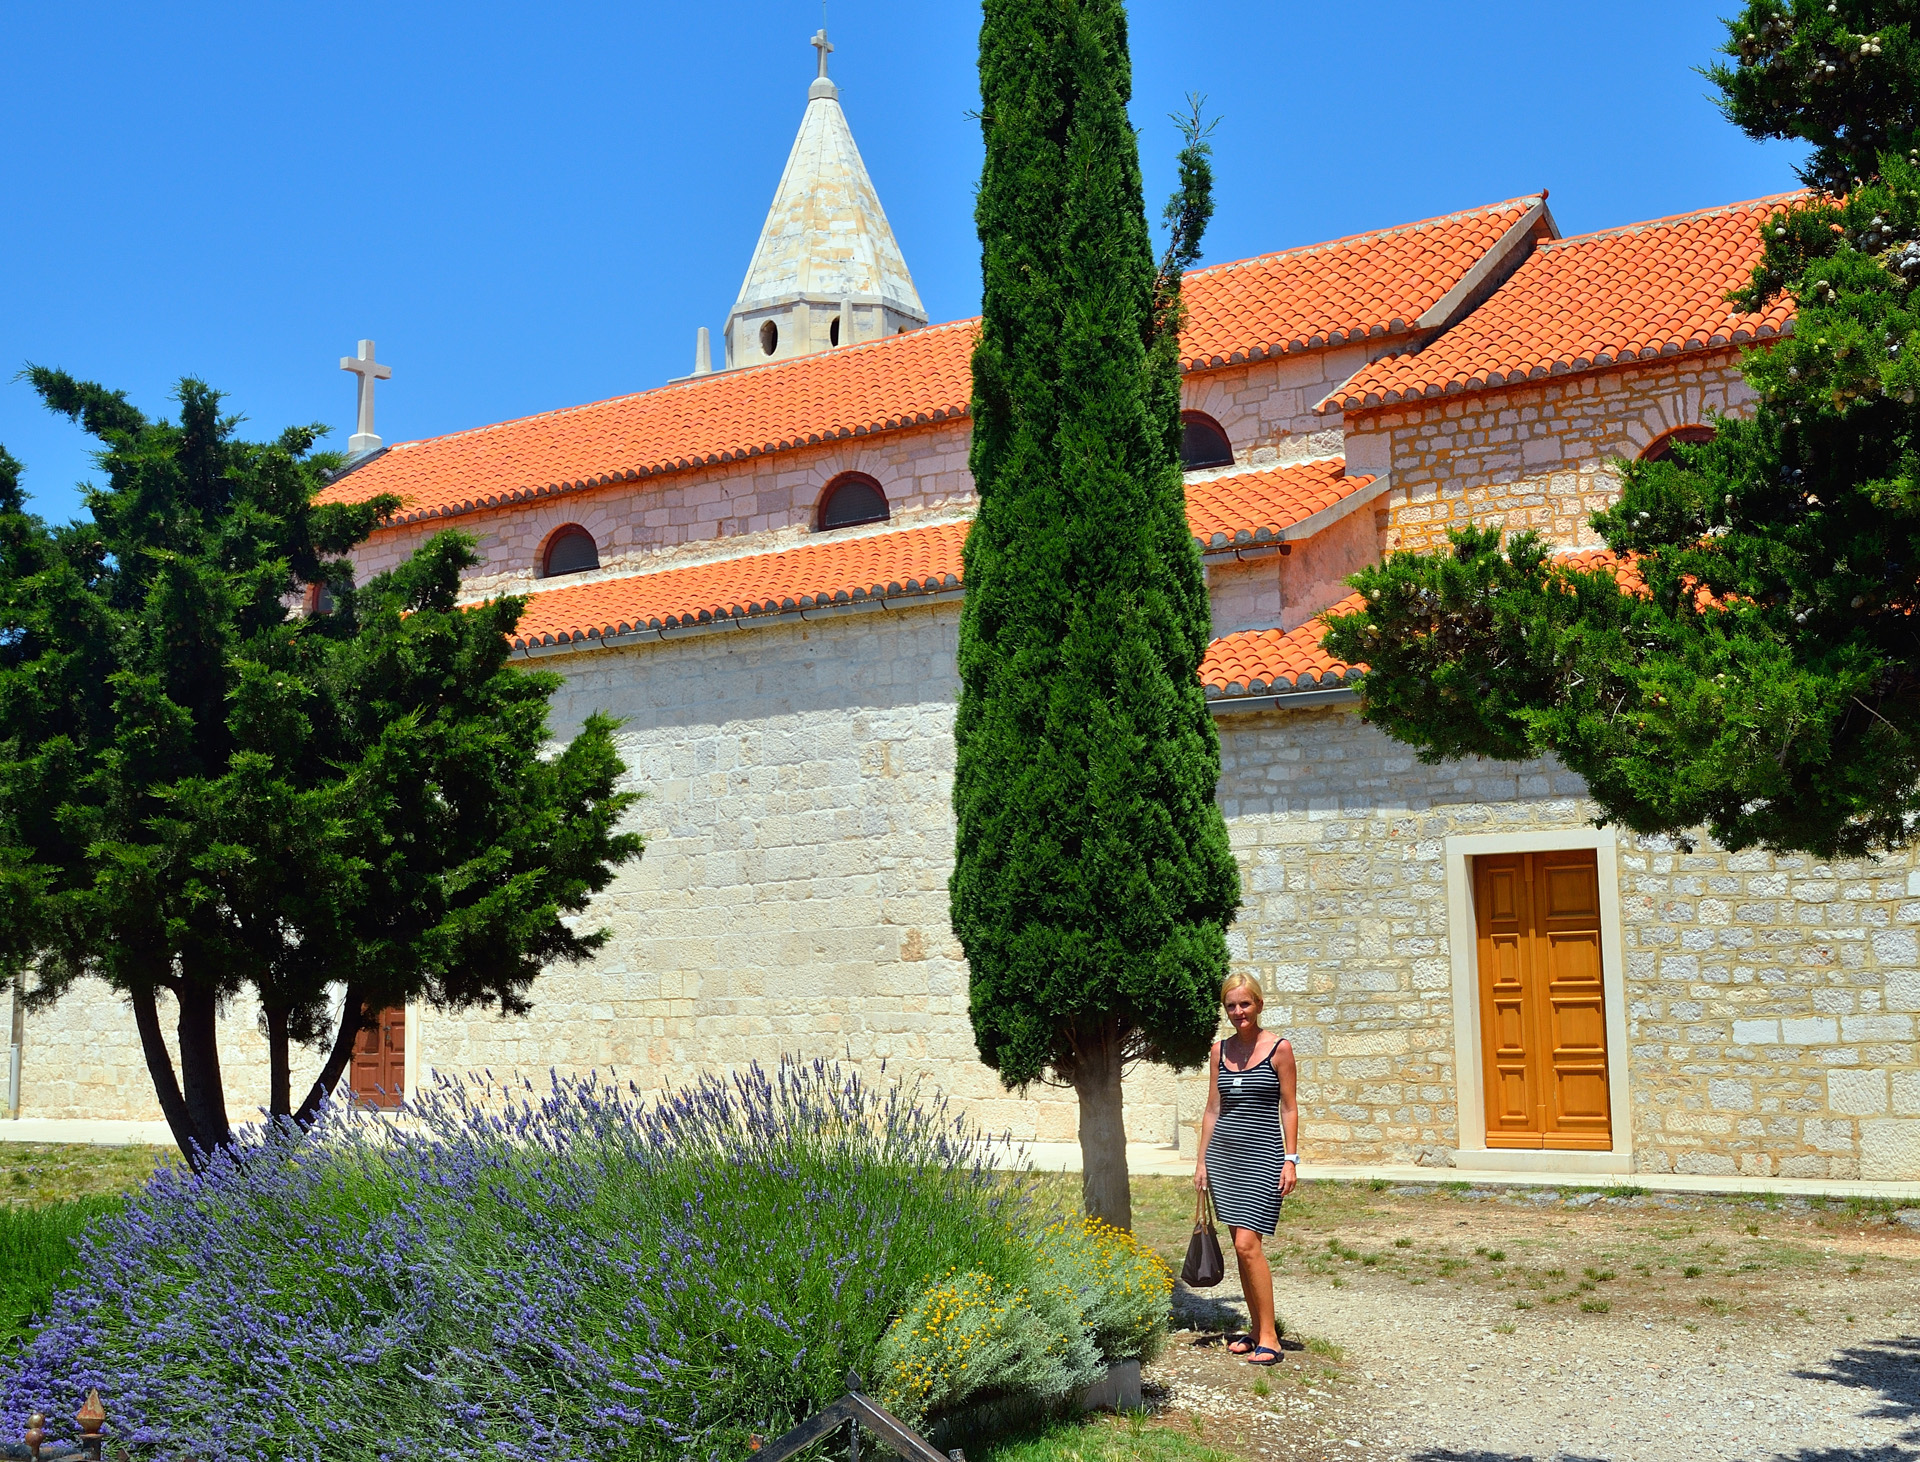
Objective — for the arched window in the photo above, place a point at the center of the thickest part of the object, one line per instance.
(769, 338)
(852, 498)
(1202, 443)
(571, 550)
(833, 331)
(1661, 447)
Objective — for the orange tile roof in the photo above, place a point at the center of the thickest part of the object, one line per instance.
(1369, 285)
(1602, 299)
(883, 566)
(1273, 661)
(1350, 289)
(1259, 507)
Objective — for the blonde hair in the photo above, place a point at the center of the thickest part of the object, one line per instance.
(1240, 980)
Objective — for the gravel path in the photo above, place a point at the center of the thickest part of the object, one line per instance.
(1439, 1373)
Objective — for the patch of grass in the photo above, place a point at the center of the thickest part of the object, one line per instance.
(36, 1248)
(1379, 1185)
(1505, 1327)
(1326, 1348)
(1624, 1190)
(1693, 1271)
(1102, 1439)
(1712, 1302)
(1556, 1274)
(1595, 1307)
(1403, 1243)
(1523, 1304)
(57, 1172)
(1753, 1228)
(1261, 1388)
(1599, 1276)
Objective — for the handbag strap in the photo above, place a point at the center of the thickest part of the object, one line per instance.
(1203, 1215)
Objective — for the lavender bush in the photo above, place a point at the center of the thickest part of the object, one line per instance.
(570, 1272)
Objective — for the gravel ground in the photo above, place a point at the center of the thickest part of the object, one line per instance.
(1727, 1330)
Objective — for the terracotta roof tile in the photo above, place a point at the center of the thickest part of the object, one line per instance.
(1350, 289)
(1369, 285)
(883, 566)
(1273, 661)
(1259, 507)
(1601, 299)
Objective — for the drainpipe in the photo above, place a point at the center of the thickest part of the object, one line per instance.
(13, 1048)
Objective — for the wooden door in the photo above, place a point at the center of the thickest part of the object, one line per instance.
(379, 1074)
(1543, 1022)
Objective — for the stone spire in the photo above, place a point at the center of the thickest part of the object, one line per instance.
(826, 271)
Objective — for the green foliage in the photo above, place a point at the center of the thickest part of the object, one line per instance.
(1763, 678)
(1843, 75)
(967, 1337)
(1092, 876)
(36, 1250)
(204, 791)
(1122, 1288)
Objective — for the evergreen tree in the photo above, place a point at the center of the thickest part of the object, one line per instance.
(1093, 879)
(1759, 673)
(204, 792)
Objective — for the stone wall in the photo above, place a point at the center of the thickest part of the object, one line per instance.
(1771, 1001)
(1537, 455)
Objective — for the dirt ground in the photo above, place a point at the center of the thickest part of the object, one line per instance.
(1455, 1324)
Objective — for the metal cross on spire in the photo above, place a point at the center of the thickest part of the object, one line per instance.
(823, 46)
(368, 370)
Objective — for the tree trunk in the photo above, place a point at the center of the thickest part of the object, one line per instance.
(279, 1073)
(352, 1022)
(206, 1094)
(166, 1084)
(1097, 1069)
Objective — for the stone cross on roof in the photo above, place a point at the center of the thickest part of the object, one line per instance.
(823, 46)
(368, 370)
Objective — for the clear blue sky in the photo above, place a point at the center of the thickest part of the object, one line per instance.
(531, 206)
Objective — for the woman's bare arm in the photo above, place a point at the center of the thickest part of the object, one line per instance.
(1207, 1117)
(1289, 1112)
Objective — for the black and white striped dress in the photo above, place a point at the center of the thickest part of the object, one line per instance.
(1244, 1152)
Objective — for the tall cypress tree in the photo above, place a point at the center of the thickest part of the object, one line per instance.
(1092, 879)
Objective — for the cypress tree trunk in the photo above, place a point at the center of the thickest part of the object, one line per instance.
(1092, 878)
(279, 1064)
(166, 1082)
(353, 1012)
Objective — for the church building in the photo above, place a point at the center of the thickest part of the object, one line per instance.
(758, 567)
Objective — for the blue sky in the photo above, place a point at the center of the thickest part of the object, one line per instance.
(532, 206)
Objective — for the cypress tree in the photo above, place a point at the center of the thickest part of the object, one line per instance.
(1763, 680)
(1092, 879)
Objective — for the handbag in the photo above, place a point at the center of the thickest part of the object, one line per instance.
(1204, 1267)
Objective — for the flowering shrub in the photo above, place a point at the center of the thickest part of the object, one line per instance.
(569, 1273)
(1093, 1294)
(967, 1336)
(1121, 1288)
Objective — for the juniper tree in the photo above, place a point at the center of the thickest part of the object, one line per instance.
(1758, 673)
(1092, 880)
(205, 793)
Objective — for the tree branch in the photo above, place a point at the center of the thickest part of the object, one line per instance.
(353, 1020)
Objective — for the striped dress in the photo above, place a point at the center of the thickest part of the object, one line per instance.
(1244, 1152)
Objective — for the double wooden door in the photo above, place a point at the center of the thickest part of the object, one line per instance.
(1543, 1013)
(378, 1076)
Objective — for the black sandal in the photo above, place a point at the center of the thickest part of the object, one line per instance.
(1239, 1345)
(1260, 1350)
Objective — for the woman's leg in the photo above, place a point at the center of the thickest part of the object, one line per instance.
(1256, 1282)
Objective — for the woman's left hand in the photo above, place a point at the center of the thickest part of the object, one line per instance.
(1289, 1175)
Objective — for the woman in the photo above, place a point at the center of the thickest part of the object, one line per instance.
(1243, 1157)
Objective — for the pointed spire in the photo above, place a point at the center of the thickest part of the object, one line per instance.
(827, 270)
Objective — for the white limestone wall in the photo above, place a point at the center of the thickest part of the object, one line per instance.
(1264, 588)
(81, 1059)
(793, 896)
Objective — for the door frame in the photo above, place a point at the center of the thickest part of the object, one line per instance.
(1464, 949)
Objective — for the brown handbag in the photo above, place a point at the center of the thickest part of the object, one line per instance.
(1204, 1267)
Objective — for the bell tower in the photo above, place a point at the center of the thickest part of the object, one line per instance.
(826, 271)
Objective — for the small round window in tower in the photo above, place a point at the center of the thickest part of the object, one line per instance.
(769, 338)
(571, 550)
(833, 331)
(851, 499)
(1202, 442)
